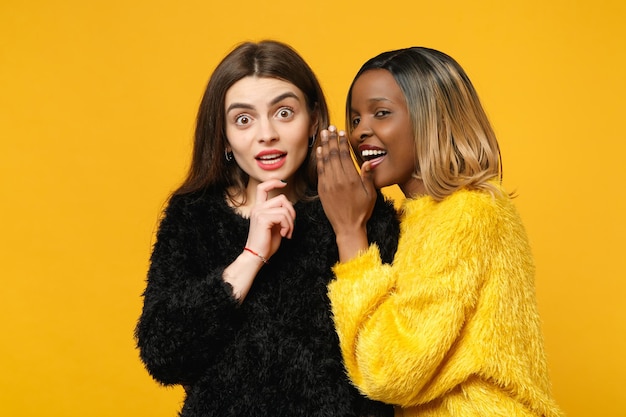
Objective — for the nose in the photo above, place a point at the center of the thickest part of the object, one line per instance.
(267, 131)
(361, 132)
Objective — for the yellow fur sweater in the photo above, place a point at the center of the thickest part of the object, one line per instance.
(451, 328)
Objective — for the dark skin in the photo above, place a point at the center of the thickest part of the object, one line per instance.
(383, 138)
(338, 182)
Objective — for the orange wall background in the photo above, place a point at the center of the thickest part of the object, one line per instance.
(97, 105)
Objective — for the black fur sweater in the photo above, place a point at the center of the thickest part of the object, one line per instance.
(276, 354)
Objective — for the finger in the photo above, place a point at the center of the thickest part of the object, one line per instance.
(327, 172)
(319, 162)
(333, 149)
(319, 153)
(289, 213)
(345, 152)
(331, 160)
(270, 219)
(367, 178)
(284, 219)
(341, 159)
(286, 227)
(264, 188)
(277, 202)
(326, 137)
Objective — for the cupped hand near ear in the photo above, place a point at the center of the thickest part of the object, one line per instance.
(347, 196)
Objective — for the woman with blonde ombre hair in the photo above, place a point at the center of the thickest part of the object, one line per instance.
(451, 327)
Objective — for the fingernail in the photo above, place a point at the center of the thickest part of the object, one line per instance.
(332, 128)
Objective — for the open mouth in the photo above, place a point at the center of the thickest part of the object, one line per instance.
(369, 154)
(270, 159)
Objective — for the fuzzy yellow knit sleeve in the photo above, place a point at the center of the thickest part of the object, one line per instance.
(412, 331)
(365, 283)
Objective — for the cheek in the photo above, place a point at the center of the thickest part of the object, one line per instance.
(296, 135)
(231, 135)
(301, 148)
(237, 139)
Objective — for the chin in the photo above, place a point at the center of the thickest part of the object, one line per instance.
(380, 184)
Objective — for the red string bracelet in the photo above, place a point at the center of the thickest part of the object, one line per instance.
(256, 254)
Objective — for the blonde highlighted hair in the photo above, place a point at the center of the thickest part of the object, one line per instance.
(455, 145)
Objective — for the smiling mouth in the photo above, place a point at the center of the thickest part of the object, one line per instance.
(270, 159)
(369, 154)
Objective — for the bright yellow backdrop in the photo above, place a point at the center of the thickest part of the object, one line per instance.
(97, 105)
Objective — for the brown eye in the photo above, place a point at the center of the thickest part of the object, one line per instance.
(242, 120)
(285, 113)
(382, 113)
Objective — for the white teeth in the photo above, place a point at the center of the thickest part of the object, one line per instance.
(372, 152)
(269, 161)
(269, 157)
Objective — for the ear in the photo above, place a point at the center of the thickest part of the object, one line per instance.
(315, 120)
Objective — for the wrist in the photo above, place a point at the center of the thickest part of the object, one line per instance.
(358, 233)
(351, 243)
(256, 254)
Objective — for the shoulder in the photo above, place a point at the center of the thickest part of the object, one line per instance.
(483, 208)
(464, 211)
(189, 201)
(467, 201)
(195, 209)
(197, 201)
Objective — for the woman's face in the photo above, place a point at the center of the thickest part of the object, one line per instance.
(382, 131)
(268, 126)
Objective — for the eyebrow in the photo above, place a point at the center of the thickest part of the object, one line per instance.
(375, 100)
(274, 101)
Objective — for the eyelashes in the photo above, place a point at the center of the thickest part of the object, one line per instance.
(283, 113)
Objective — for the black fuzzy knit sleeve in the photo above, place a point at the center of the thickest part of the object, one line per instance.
(383, 228)
(188, 308)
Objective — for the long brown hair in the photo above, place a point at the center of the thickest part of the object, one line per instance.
(268, 58)
(455, 145)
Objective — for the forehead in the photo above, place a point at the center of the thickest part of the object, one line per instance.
(376, 85)
(252, 89)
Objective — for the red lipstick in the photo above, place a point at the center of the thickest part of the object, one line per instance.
(271, 159)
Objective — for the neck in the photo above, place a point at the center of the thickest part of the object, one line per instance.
(413, 188)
